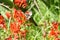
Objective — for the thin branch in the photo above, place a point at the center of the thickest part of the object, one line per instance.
(5, 6)
(37, 7)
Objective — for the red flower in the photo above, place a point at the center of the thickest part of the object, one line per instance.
(19, 16)
(24, 5)
(9, 38)
(16, 15)
(2, 22)
(55, 25)
(53, 33)
(8, 14)
(14, 27)
(21, 3)
(22, 16)
(20, 22)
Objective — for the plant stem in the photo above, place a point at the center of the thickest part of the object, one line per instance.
(37, 7)
(32, 5)
(5, 6)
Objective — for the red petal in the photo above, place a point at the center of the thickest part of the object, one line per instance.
(8, 14)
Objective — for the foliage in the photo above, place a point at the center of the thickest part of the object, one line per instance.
(29, 20)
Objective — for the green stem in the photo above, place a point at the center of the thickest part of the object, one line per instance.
(9, 23)
(37, 7)
(32, 5)
(5, 6)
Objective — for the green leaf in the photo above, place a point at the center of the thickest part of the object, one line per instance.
(36, 17)
(42, 6)
(3, 11)
(7, 2)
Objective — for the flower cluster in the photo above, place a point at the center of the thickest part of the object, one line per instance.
(18, 18)
(14, 27)
(2, 22)
(21, 3)
(55, 25)
(54, 30)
